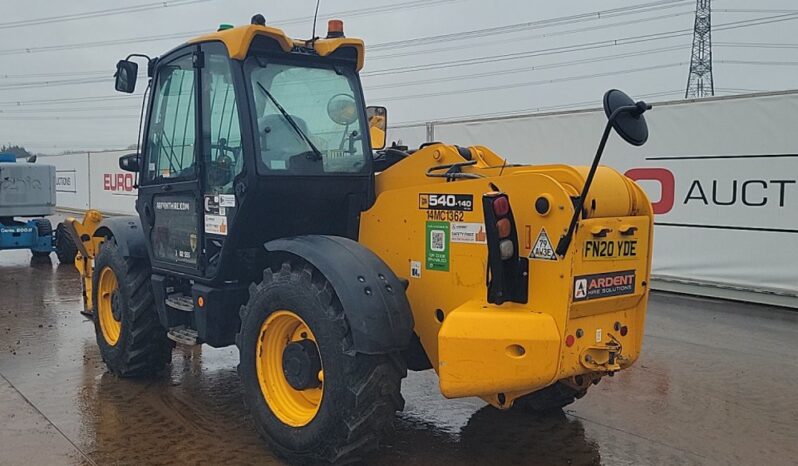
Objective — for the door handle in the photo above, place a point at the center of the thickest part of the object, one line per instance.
(166, 187)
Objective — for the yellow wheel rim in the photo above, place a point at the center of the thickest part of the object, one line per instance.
(294, 407)
(107, 297)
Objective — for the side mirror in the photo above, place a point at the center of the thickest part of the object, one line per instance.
(32, 159)
(378, 124)
(130, 162)
(626, 117)
(126, 74)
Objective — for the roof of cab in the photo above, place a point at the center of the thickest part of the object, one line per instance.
(238, 40)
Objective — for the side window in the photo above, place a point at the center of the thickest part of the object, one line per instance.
(222, 132)
(171, 138)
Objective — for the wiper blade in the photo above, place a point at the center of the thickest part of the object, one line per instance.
(291, 121)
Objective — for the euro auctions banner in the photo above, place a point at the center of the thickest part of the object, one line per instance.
(93, 180)
(722, 175)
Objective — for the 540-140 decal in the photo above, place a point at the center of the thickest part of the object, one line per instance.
(458, 202)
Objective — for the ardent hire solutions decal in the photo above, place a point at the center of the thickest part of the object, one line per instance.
(602, 285)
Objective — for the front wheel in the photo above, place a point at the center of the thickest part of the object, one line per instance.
(311, 397)
(131, 339)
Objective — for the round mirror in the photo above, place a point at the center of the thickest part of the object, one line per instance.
(631, 126)
(342, 110)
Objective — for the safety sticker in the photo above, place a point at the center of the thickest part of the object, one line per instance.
(468, 233)
(227, 200)
(543, 249)
(603, 285)
(462, 202)
(216, 224)
(438, 246)
(415, 269)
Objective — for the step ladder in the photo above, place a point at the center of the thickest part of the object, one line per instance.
(183, 335)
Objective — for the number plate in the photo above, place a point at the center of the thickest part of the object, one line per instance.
(609, 249)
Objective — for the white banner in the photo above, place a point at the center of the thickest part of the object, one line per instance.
(71, 180)
(722, 174)
(112, 189)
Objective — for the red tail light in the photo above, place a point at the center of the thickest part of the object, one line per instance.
(507, 272)
(505, 228)
(501, 206)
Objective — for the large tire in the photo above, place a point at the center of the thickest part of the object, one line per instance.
(65, 248)
(131, 339)
(43, 228)
(358, 394)
(552, 398)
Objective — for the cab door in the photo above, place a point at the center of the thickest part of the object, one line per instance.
(169, 191)
(223, 174)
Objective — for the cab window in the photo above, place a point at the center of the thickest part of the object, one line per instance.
(171, 137)
(308, 118)
(223, 154)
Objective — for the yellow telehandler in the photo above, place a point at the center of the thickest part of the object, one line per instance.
(271, 216)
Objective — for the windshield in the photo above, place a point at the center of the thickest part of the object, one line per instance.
(308, 118)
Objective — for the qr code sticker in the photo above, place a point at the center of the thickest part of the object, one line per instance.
(437, 240)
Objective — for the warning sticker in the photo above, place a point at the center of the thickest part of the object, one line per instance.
(437, 257)
(468, 233)
(603, 285)
(415, 269)
(216, 224)
(543, 249)
(227, 200)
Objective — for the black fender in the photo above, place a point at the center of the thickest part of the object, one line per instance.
(128, 234)
(373, 297)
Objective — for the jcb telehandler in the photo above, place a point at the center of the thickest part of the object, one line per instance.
(265, 220)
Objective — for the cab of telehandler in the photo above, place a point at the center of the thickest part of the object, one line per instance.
(240, 148)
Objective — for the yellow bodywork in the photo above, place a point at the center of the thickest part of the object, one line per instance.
(82, 234)
(482, 349)
(238, 41)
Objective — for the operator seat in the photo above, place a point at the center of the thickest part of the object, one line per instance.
(280, 141)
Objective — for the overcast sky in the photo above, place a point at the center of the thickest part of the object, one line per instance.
(502, 71)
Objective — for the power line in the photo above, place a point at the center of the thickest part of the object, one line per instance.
(188, 34)
(529, 83)
(98, 13)
(547, 66)
(529, 111)
(578, 47)
(766, 45)
(536, 36)
(758, 62)
(558, 21)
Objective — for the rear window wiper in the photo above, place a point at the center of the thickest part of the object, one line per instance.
(291, 121)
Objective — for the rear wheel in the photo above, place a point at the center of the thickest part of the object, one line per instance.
(310, 396)
(65, 248)
(551, 398)
(131, 339)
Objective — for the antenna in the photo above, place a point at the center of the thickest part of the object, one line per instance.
(699, 81)
(315, 15)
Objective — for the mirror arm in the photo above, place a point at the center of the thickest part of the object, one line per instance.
(565, 240)
(636, 110)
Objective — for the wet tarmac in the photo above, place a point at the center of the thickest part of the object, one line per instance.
(716, 384)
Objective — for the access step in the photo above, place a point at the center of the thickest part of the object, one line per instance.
(180, 302)
(183, 335)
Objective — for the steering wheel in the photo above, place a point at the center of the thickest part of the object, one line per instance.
(220, 170)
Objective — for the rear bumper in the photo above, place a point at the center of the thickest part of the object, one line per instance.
(485, 350)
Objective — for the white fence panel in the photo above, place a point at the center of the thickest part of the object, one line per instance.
(71, 180)
(723, 174)
(112, 189)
